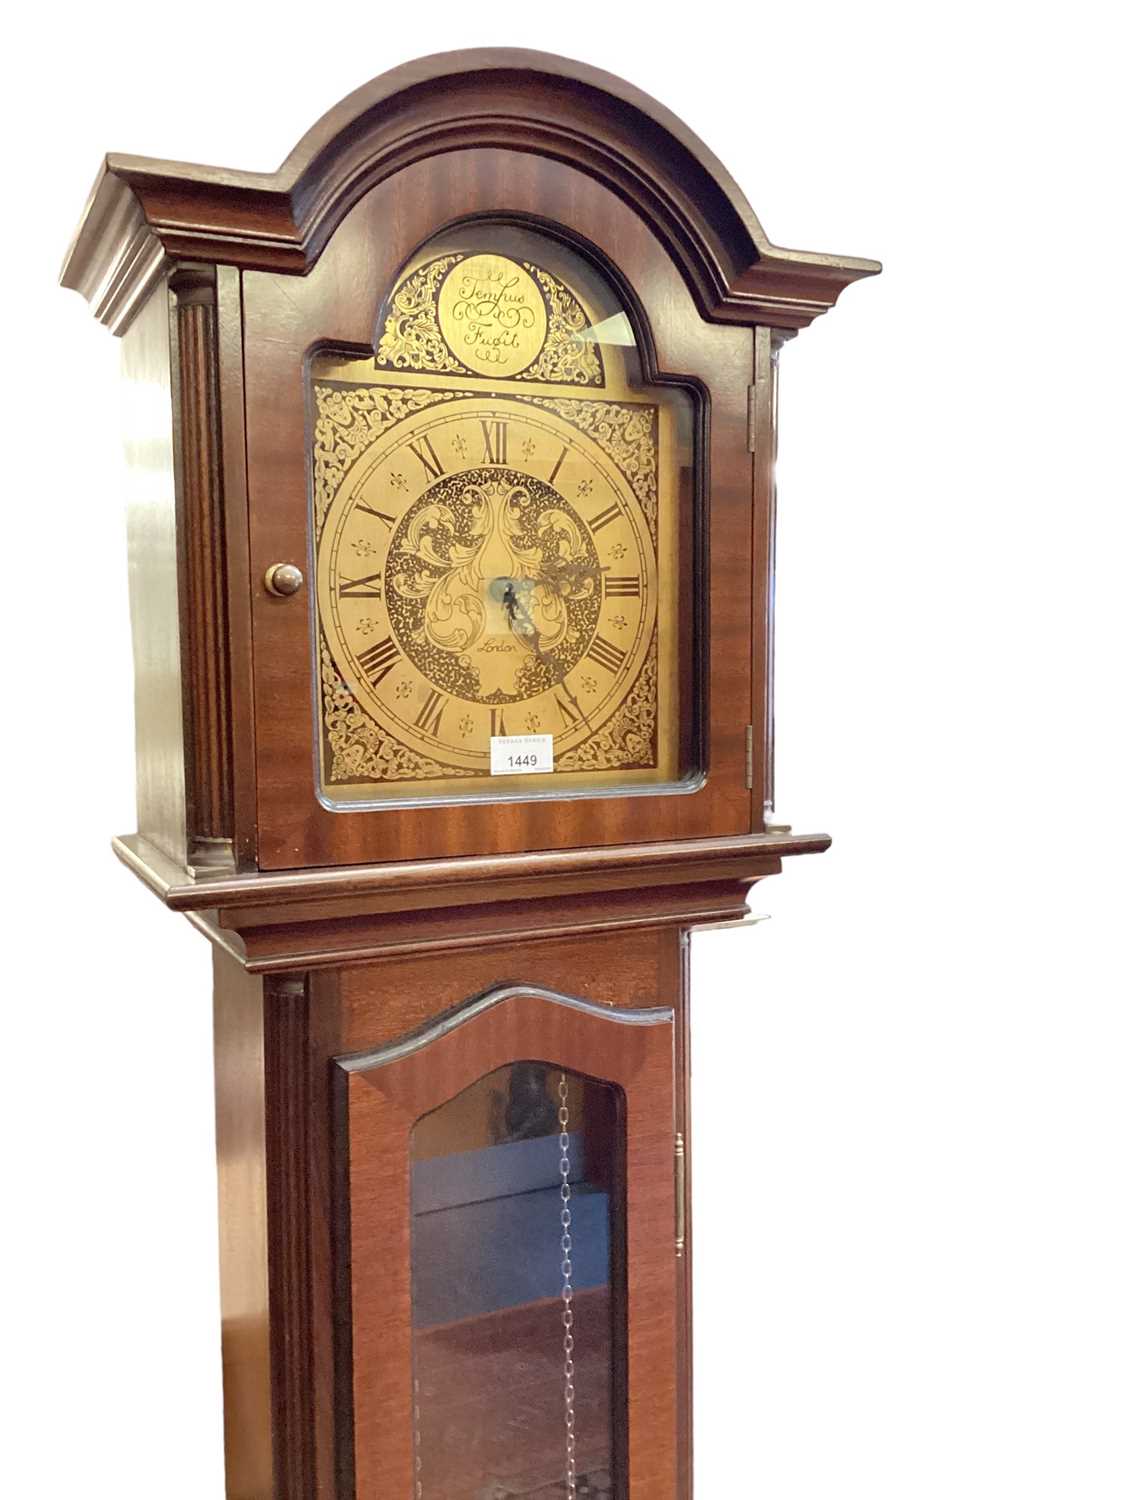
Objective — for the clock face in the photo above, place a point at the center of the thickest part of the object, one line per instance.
(495, 564)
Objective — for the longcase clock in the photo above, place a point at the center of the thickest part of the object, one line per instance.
(451, 523)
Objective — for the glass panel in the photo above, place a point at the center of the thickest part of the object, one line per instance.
(516, 1236)
(504, 509)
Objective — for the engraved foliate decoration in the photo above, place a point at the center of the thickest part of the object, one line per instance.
(361, 749)
(348, 420)
(487, 315)
(628, 435)
(629, 739)
(468, 531)
(410, 338)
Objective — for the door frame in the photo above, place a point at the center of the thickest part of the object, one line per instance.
(379, 1097)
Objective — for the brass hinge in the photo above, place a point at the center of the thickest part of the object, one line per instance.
(749, 757)
(681, 1194)
(752, 417)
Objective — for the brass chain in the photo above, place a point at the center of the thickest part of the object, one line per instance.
(566, 1244)
(417, 1442)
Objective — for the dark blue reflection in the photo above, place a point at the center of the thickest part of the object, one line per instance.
(486, 1229)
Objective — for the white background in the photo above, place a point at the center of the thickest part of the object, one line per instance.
(910, 1112)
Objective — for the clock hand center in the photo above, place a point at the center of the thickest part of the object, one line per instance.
(509, 599)
(515, 610)
(523, 628)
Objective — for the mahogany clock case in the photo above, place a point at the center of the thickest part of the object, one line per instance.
(393, 982)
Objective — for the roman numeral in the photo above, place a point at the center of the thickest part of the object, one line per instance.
(495, 442)
(423, 451)
(379, 515)
(567, 710)
(604, 517)
(558, 465)
(606, 654)
(498, 726)
(370, 587)
(378, 660)
(623, 588)
(429, 720)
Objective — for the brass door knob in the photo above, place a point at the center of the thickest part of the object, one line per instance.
(283, 579)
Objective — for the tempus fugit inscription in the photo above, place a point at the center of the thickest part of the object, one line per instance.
(492, 315)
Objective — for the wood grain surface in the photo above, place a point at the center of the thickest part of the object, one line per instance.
(205, 627)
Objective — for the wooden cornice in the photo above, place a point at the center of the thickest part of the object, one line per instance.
(290, 920)
(143, 213)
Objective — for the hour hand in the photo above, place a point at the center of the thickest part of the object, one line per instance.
(520, 622)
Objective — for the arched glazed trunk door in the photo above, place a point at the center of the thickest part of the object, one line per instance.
(508, 1256)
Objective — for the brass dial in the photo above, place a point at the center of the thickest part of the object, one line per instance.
(487, 569)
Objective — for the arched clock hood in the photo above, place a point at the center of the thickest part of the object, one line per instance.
(143, 213)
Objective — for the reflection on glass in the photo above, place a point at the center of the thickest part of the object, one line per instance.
(515, 1187)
